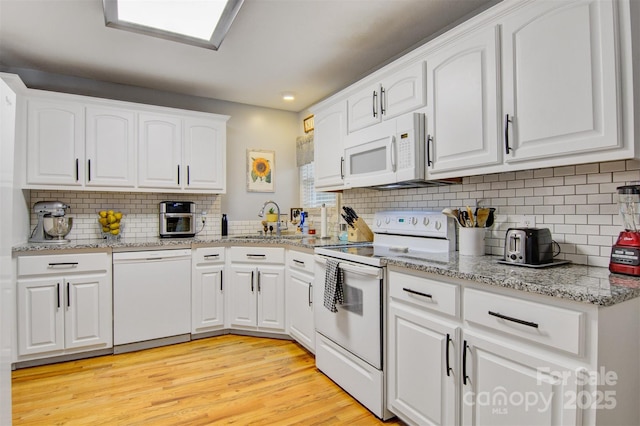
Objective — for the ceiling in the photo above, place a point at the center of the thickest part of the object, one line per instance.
(313, 48)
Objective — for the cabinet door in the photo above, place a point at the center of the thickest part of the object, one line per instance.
(329, 135)
(503, 385)
(462, 117)
(559, 79)
(364, 108)
(421, 380)
(207, 303)
(271, 301)
(40, 315)
(55, 142)
(205, 154)
(110, 147)
(160, 151)
(88, 316)
(300, 309)
(241, 293)
(403, 91)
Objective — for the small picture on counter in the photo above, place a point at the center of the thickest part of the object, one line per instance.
(295, 214)
(260, 170)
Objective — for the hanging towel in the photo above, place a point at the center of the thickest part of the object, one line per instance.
(333, 293)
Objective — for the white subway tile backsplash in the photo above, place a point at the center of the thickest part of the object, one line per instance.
(577, 203)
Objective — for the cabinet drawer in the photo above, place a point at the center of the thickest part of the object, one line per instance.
(424, 292)
(62, 264)
(549, 325)
(257, 254)
(300, 261)
(208, 255)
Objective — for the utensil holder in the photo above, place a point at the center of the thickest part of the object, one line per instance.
(471, 241)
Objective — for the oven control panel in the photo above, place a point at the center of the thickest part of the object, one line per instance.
(417, 223)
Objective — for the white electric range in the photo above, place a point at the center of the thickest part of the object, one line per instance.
(349, 342)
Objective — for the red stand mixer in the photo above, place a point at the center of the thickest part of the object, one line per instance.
(625, 253)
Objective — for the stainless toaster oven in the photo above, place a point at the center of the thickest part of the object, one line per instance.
(177, 219)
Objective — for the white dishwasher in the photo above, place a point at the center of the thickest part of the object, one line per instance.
(151, 298)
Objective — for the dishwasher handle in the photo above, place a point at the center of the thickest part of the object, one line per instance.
(151, 256)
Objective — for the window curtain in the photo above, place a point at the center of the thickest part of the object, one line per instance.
(304, 149)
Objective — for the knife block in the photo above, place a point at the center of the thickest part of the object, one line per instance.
(361, 233)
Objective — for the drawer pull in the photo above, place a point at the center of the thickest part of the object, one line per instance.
(298, 262)
(516, 320)
(58, 294)
(63, 264)
(207, 256)
(408, 290)
(262, 256)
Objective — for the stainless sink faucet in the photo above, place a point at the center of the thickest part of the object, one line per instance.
(261, 214)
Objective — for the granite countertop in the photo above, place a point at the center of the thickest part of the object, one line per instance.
(308, 242)
(587, 284)
(579, 283)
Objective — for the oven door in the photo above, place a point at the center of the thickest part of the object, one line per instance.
(357, 326)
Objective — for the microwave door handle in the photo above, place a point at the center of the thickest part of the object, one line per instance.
(394, 165)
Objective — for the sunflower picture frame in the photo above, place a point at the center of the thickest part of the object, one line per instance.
(261, 170)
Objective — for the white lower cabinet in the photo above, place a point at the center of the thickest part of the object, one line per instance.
(299, 294)
(422, 368)
(255, 293)
(207, 289)
(64, 304)
(462, 353)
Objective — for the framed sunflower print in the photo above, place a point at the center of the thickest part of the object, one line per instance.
(260, 170)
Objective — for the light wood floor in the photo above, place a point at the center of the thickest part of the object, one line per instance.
(220, 380)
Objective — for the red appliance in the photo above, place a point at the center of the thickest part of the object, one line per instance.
(625, 253)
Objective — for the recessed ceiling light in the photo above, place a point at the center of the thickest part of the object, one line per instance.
(288, 96)
(201, 23)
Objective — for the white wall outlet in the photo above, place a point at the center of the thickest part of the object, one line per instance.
(204, 213)
(527, 221)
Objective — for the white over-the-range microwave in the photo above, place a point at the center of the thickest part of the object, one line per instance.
(390, 154)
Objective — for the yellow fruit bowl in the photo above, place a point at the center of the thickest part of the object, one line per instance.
(110, 224)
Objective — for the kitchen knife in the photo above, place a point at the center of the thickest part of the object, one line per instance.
(348, 220)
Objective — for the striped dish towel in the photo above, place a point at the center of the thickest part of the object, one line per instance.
(333, 293)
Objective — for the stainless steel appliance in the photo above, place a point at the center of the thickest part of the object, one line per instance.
(53, 223)
(625, 254)
(177, 219)
(349, 342)
(531, 246)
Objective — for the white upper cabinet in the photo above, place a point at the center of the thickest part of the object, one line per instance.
(560, 79)
(205, 154)
(401, 92)
(160, 151)
(77, 142)
(55, 142)
(110, 147)
(462, 113)
(328, 146)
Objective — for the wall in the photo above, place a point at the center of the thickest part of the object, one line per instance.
(248, 127)
(577, 203)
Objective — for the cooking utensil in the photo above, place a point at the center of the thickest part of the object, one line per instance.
(482, 215)
(449, 212)
(464, 219)
(470, 217)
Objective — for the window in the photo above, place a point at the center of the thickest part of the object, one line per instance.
(308, 195)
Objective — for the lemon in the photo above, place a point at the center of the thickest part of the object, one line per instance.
(103, 221)
(115, 225)
(103, 213)
(118, 215)
(111, 218)
(105, 229)
(110, 213)
(115, 231)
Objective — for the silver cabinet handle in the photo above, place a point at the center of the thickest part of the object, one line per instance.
(382, 101)
(63, 265)
(375, 104)
(408, 290)
(207, 256)
(261, 256)
(298, 262)
(259, 273)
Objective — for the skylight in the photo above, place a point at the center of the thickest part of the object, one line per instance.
(202, 23)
